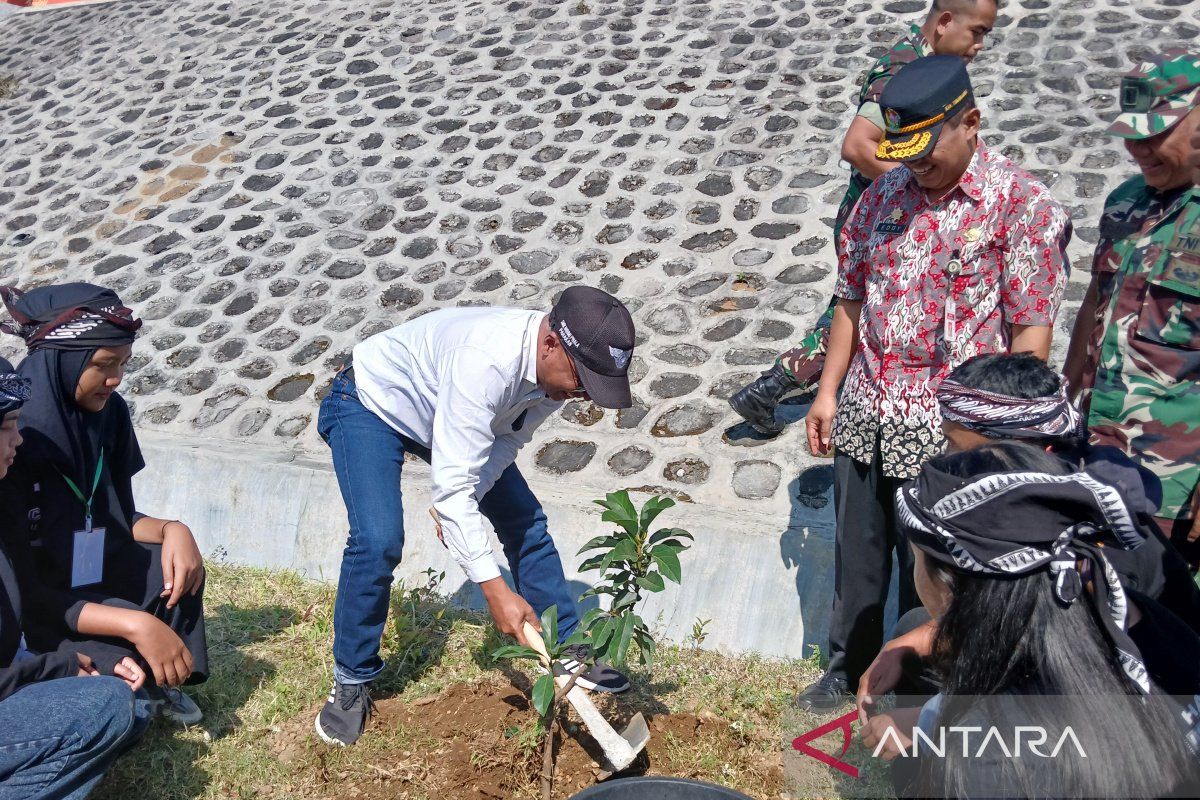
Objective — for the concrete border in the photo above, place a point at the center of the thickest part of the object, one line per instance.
(764, 580)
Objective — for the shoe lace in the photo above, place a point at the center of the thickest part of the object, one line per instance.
(830, 682)
(349, 694)
(579, 652)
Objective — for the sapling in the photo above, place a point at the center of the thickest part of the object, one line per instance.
(631, 560)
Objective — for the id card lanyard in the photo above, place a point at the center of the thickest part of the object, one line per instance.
(87, 501)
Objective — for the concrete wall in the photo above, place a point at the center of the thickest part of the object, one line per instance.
(765, 580)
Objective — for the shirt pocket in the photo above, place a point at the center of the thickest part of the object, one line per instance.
(1170, 311)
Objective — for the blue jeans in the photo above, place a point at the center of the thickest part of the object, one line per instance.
(57, 738)
(368, 456)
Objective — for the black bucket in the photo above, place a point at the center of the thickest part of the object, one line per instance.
(657, 788)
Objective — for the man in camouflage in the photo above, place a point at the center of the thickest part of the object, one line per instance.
(952, 27)
(1135, 350)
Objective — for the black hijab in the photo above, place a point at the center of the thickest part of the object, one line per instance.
(1015, 523)
(63, 326)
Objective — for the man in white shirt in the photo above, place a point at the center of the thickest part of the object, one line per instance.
(462, 389)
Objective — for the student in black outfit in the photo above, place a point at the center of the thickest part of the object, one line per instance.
(1010, 552)
(1000, 397)
(133, 583)
(62, 724)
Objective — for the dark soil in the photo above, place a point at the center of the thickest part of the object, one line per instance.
(475, 743)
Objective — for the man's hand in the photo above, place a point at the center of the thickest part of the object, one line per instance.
(131, 672)
(902, 721)
(163, 650)
(509, 610)
(886, 670)
(87, 668)
(818, 423)
(182, 564)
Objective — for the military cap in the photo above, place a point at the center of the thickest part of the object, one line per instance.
(1156, 94)
(917, 102)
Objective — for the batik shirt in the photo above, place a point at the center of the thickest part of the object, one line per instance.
(1144, 358)
(939, 283)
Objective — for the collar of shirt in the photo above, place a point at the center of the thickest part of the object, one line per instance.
(531, 350)
(918, 40)
(972, 181)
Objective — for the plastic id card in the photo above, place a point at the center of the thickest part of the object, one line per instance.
(87, 561)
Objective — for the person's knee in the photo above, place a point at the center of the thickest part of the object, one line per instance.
(105, 712)
(379, 542)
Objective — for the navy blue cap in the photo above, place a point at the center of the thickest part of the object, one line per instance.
(596, 330)
(918, 101)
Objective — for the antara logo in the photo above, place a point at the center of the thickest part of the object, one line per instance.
(1026, 740)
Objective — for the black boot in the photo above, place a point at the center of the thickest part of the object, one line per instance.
(756, 403)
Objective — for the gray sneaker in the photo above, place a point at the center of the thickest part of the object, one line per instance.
(600, 678)
(173, 704)
(345, 714)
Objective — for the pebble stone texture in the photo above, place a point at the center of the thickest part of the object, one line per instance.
(268, 183)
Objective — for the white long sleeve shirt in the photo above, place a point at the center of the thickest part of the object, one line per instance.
(457, 381)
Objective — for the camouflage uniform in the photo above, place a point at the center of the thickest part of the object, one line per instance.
(804, 362)
(1144, 360)
(1142, 372)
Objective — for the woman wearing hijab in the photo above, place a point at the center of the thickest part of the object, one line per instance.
(1035, 629)
(61, 724)
(133, 584)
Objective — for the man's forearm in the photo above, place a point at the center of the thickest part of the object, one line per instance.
(1033, 339)
(843, 339)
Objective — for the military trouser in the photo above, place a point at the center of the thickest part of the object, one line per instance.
(804, 362)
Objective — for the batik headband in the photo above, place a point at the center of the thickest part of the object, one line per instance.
(1001, 416)
(1015, 523)
(100, 321)
(14, 392)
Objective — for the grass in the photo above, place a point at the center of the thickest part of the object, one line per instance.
(269, 639)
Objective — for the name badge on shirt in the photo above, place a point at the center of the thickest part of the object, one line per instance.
(87, 560)
(889, 227)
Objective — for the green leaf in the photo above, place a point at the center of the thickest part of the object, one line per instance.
(599, 541)
(603, 633)
(667, 533)
(595, 562)
(626, 550)
(624, 602)
(620, 648)
(652, 581)
(543, 694)
(589, 618)
(550, 627)
(619, 509)
(646, 645)
(514, 651)
(668, 563)
(653, 507)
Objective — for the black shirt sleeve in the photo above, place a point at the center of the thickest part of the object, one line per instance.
(38, 668)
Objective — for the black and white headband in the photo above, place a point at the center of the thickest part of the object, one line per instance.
(1015, 523)
(1000, 416)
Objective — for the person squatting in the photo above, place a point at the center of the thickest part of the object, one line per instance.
(1045, 524)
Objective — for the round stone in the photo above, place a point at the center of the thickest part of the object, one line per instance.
(685, 420)
(532, 262)
(674, 384)
(561, 456)
(290, 388)
(686, 470)
(669, 320)
(582, 412)
(756, 480)
(630, 460)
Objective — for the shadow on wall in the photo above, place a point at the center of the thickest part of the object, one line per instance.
(808, 545)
